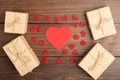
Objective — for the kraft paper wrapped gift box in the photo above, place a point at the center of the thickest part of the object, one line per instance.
(16, 22)
(21, 55)
(101, 23)
(96, 61)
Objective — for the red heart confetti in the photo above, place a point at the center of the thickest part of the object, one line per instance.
(42, 43)
(44, 60)
(57, 19)
(72, 60)
(75, 52)
(71, 46)
(82, 42)
(83, 33)
(75, 25)
(59, 60)
(39, 29)
(75, 36)
(65, 18)
(82, 24)
(46, 52)
(34, 39)
(65, 52)
(36, 18)
(74, 17)
(47, 18)
(32, 29)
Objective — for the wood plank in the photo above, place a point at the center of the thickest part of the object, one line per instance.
(54, 71)
(57, 8)
(111, 43)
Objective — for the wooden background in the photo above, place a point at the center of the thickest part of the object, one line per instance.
(66, 70)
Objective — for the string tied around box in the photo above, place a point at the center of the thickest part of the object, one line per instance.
(18, 53)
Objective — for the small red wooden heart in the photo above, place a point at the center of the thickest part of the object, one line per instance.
(58, 37)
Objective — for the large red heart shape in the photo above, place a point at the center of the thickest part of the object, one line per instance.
(58, 37)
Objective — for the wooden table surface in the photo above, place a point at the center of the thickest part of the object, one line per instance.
(52, 70)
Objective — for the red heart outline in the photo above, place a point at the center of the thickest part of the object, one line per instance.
(58, 37)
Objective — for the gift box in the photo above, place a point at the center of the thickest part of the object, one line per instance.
(101, 23)
(96, 61)
(16, 22)
(21, 55)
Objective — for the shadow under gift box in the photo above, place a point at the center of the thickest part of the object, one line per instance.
(21, 55)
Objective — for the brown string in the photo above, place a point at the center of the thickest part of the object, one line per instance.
(101, 22)
(99, 57)
(16, 20)
(19, 55)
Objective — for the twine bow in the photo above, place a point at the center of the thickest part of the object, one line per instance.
(102, 21)
(99, 57)
(19, 55)
(16, 20)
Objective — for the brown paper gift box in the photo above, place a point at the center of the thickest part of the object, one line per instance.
(101, 23)
(21, 55)
(96, 61)
(16, 22)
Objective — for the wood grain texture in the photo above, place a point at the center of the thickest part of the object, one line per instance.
(66, 70)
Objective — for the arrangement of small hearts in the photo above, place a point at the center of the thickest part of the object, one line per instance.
(95, 62)
(58, 37)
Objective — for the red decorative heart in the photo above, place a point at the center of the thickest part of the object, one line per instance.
(58, 37)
